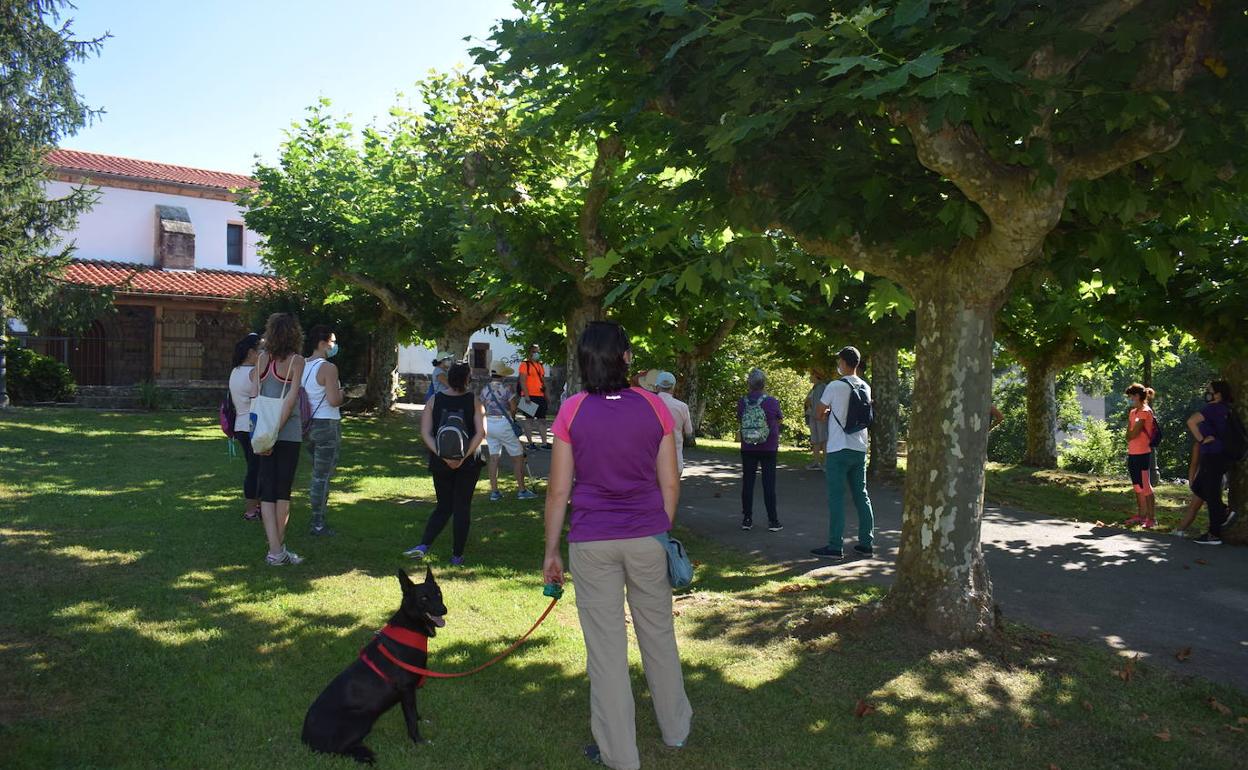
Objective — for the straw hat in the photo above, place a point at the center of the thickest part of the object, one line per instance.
(502, 370)
(649, 378)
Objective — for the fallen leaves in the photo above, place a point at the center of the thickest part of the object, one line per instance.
(862, 708)
(1183, 654)
(1100, 523)
(1163, 735)
(1087, 706)
(1199, 731)
(796, 588)
(1218, 706)
(1202, 562)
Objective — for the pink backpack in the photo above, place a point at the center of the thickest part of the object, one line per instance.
(227, 414)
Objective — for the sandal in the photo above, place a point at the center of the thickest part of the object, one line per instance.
(252, 514)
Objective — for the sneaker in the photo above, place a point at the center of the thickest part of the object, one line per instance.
(285, 557)
(1208, 539)
(1149, 523)
(457, 561)
(417, 552)
(495, 496)
(827, 552)
(775, 526)
(747, 523)
(1178, 533)
(865, 550)
(526, 494)
(322, 531)
(1131, 522)
(1230, 519)
(592, 753)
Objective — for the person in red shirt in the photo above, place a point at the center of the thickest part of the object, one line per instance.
(1141, 426)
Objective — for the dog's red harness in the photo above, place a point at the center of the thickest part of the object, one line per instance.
(405, 637)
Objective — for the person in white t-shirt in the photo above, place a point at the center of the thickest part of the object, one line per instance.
(324, 436)
(846, 462)
(245, 354)
(666, 382)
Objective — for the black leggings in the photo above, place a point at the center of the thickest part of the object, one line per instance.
(251, 481)
(454, 489)
(1208, 487)
(277, 471)
(750, 463)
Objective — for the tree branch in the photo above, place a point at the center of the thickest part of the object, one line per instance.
(388, 297)
(883, 261)
(1045, 63)
(1137, 145)
(610, 152)
(707, 347)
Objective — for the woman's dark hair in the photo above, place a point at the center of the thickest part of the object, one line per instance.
(282, 336)
(600, 354)
(316, 335)
(1136, 389)
(1223, 387)
(243, 347)
(457, 376)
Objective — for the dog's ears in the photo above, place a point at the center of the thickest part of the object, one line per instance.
(429, 574)
(404, 581)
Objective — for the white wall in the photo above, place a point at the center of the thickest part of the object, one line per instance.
(121, 227)
(415, 359)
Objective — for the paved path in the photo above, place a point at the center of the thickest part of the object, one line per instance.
(1130, 591)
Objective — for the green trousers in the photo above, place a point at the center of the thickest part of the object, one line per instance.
(848, 467)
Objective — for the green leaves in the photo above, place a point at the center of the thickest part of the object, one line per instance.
(598, 268)
(843, 64)
(908, 12)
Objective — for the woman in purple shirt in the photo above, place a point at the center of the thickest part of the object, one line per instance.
(1209, 427)
(616, 442)
(756, 454)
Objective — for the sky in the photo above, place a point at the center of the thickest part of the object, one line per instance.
(214, 83)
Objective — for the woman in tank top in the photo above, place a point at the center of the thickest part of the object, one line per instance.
(278, 373)
(324, 437)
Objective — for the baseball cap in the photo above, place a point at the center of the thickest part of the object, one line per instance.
(665, 380)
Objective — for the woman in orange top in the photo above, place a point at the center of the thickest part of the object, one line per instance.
(1141, 426)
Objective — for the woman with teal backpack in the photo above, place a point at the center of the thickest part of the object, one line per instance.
(760, 418)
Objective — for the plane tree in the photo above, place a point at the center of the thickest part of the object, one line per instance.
(936, 144)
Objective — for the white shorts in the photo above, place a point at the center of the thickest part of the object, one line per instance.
(500, 436)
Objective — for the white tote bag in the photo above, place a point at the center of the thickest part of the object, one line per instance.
(266, 416)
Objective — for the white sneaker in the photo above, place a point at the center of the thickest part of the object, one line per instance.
(1178, 533)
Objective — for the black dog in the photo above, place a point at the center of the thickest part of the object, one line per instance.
(344, 713)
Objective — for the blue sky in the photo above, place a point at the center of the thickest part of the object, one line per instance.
(213, 83)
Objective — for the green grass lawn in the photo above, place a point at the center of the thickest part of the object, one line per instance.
(141, 628)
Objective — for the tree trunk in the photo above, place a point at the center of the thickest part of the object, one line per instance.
(689, 390)
(4, 341)
(1148, 368)
(1041, 414)
(383, 369)
(886, 392)
(455, 341)
(577, 319)
(942, 580)
(1236, 375)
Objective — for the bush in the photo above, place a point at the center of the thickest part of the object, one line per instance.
(151, 396)
(723, 383)
(1008, 441)
(33, 377)
(1101, 450)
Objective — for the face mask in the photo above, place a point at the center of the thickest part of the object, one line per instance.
(333, 351)
(537, 356)
(1208, 398)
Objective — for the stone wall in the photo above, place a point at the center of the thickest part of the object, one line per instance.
(181, 354)
(193, 395)
(129, 339)
(415, 387)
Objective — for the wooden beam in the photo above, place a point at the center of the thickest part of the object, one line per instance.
(158, 341)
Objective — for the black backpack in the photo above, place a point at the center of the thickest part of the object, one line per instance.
(1235, 442)
(860, 414)
(451, 435)
(1154, 436)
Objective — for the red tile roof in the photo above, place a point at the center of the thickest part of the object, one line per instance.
(142, 279)
(75, 160)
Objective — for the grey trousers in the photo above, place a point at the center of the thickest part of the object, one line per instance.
(323, 439)
(601, 570)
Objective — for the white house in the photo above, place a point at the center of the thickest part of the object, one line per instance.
(171, 244)
(485, 347)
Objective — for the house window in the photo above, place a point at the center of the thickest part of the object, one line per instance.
(234, 244)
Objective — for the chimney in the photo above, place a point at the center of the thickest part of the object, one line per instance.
(175, 238)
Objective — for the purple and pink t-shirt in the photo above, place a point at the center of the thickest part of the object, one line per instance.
(615, 445)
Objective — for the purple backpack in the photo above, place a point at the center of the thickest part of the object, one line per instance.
(227, 414)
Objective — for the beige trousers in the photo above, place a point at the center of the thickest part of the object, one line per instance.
(601, 569)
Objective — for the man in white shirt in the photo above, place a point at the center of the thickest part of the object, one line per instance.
(665, 381)
(846, 461)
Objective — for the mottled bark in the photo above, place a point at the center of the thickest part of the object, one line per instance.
(689, 390)
(942, 580)
(4, 341)
(1236, 375)
(1041, 414)
(383, 370)
(589, 309)
(886, 392)
(455, 341)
